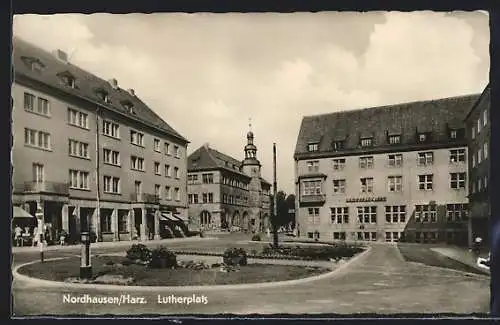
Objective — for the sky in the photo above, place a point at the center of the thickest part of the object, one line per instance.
(207, 74)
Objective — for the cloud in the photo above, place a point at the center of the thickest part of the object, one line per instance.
(206, 74)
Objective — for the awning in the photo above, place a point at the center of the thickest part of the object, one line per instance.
(21, 213)
(165, 217)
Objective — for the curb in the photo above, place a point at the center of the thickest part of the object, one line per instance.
(63, 285)
(483, 272)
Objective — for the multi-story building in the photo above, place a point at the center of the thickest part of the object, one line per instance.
(90, 154)
(386, 173)
(224, 192)
(478, 134)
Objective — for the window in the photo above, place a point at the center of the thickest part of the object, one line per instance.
(338, 145)
(122, 222)
(138, 187)
(473, 160)
(340, 215)
(456, 212)
(137, 163)
(339, 235)
(473, 132)
(457, 155)
(425, 182)
(210, 197)
(177, 194)
(42, 107)
(79, 179)
(111, 157)
(453, 134)
(314, 217)
(167, 148)
(111, 185)
(366, 185)
(394, 139)
(485, 117)
(193, 179)
(77, 118)
(422, 137)
(78, 149)
(395, 183)
(338, 164)
(207, 178)
(311, 187)
(485, 181)
(313, 166)
(479, 155)
(156, 145)
(38, 139)
(479, 185)
(176, 172)
(396, 160)
(69, 80)
(339, 186)
(373, 236)
(388, 236)
(425, 158)
(136, 138)
(367, 214)
(168, 171)
(366, 142)
(157, 168)
(395, 213)
(457, 180)
(111, 129)
(168, 193)
(479, 125)
(366, 162)
(38, 173)
(157, 190)
(312, 147)
(176, 152)
(425, 213)
(29, 102)
(105, 221)
(485, 150)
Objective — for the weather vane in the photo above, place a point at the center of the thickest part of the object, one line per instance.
(250, 123)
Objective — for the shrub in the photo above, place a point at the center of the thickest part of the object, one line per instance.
(127, 262)
(139, 252)
(202, 234)
(255, 238)
(235, 256)
(162, 258)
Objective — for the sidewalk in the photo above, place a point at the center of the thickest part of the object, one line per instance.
(112, 244)
(461, 255)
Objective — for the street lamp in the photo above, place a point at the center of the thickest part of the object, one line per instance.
(40, 226)
(85, 267)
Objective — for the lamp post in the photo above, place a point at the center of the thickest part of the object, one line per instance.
(85, 266)
(40, 226)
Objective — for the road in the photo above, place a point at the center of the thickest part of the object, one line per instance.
(379, 282)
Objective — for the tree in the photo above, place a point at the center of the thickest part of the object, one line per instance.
(284, 204)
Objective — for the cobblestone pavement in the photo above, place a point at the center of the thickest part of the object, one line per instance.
(380, 282)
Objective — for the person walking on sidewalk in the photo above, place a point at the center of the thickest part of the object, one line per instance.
(477, 245)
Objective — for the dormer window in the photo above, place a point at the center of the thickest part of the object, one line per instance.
(395, 139)
(129, 107)
(68, 79)
(453, 134)
(366, 142)
(103, 95)
(312, 147)
(423, 137)
(34, 64)
(338, 145)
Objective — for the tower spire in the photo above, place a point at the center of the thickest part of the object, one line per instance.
(250, 124)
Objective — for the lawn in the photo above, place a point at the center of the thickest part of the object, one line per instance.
(60, 270)
(423, 254)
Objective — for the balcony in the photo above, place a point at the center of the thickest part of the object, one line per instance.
(45, 187)
(317, 199)
(144, 198)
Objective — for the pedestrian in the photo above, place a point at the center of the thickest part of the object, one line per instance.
(18, 233)
(477, 245)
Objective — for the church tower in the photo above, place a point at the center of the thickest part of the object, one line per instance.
(251, 167)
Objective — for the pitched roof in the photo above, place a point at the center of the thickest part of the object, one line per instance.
(86, 85)
(406, 119)
(205, 158)
(482, 102)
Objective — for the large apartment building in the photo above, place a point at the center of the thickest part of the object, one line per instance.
(388, 173)
(478, 133)
(224, 192)
(90, 154)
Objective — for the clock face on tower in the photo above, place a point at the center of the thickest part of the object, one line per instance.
(254, 171)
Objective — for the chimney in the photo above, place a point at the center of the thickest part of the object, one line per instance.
(206, 145)
(114, 83)
(131, 91)
(61, 55)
